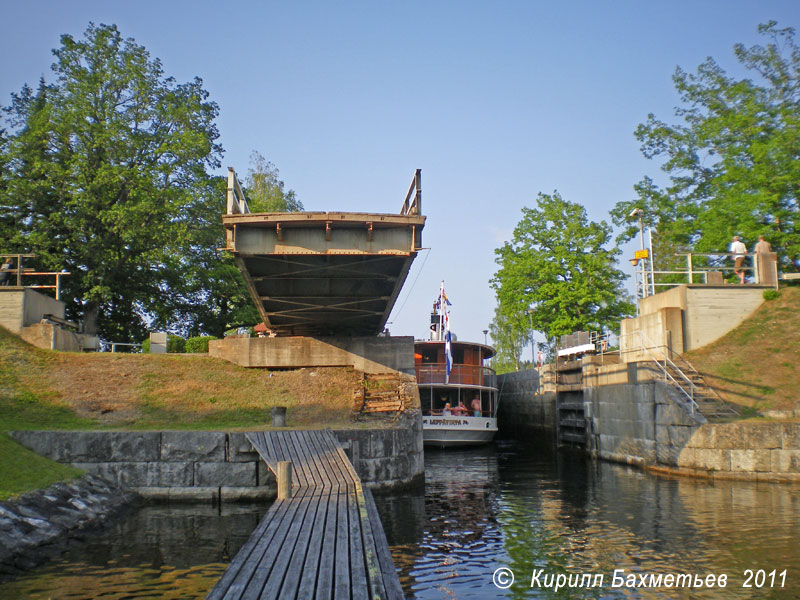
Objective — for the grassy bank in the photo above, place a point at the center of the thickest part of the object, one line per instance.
(42, 389)
(23, 471)
(757, 365)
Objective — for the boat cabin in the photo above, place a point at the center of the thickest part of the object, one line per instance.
(469, 379)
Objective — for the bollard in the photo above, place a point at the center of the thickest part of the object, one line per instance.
(278, 416)
(284, 477)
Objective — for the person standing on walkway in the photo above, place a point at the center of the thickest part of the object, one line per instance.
(762, 245)
(5, 272)
(739, 251)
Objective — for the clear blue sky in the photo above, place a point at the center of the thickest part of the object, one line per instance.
(495, 101)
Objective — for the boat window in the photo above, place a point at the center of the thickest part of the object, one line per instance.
(458, 356)
(429, 355)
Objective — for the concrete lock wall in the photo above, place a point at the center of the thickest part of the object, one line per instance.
(645, 421)
(368, 354)
(527, 407)
(215, 465)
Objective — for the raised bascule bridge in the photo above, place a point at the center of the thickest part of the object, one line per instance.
(324, 283)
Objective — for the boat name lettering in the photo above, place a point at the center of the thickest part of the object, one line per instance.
(447, 422)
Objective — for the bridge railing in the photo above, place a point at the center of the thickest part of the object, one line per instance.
(237, 203)
(413, 202)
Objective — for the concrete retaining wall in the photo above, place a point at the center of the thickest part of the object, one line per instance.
(527, 406)
(367, 354)
(48, 335)
(215, 465)
(689, 317)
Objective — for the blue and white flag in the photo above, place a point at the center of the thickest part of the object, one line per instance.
(448, 349)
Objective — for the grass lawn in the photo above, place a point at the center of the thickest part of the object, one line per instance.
(23, 471)
(757, 365)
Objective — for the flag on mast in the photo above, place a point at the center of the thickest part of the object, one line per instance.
(448, 347)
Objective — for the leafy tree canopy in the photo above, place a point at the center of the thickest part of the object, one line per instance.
(557, 264)
(508, 341)
(733, 157)
(105, 176)
(265, 191)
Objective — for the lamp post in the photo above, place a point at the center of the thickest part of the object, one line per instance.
(641, 260)
(485, 341)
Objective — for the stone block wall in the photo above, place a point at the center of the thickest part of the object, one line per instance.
(637, 423)
(767, 451)
(214, 465)
(647, 422)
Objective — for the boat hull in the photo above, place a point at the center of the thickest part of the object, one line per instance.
(445, 432)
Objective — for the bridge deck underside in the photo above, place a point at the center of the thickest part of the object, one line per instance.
(324, 274)
(326, 295)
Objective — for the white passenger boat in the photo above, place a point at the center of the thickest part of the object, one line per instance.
(457, 392)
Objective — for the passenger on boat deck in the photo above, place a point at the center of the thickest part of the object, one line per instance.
(476, 407)
(447, 412)
(460, 410)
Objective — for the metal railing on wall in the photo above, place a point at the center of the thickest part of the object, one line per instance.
(717, 262)
(17, 273)
(412, 205)
(237, 203)
(640, 343)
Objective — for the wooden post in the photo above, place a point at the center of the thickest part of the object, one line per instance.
(691, 274)
(284, 478)
(355, 454)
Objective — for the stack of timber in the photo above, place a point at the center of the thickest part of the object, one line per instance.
(380, 394)
(326, 541)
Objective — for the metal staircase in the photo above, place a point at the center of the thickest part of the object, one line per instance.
(708, 402)
(685, 378)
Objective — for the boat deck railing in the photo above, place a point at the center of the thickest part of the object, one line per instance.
(436, 373)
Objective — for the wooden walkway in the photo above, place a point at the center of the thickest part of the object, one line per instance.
(327, 541)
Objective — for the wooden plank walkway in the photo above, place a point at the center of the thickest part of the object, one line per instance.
(327, 541)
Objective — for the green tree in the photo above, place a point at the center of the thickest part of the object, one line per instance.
(557, 263)
(102, 168)
(265, 190)
(733, 157)
(208, 294)
(508, 341)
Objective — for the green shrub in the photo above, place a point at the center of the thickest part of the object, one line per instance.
(771, 294)
(196, 345)
(175, 344)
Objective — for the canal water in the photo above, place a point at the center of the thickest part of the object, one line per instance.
(536, 513)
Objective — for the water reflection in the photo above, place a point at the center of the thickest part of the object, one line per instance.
(527, 508)
(506, 505)
(158, 552)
